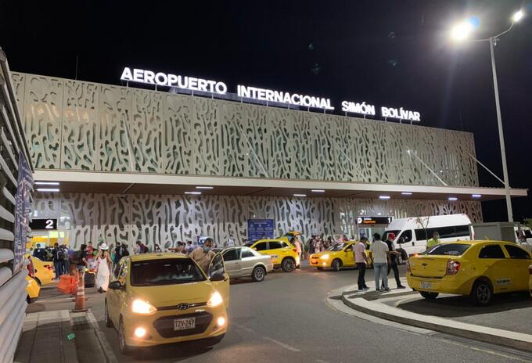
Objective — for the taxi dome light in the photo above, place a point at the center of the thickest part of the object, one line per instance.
(142, 307)
(215, 300)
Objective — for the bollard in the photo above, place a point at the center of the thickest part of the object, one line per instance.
(80, 305)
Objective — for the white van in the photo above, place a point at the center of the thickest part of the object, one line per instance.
(411, 234)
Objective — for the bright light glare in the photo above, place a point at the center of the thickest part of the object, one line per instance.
(325, 257)
(461, 31)
(51, 190)
(453, 199)
(518, 16)
(384, 197)
(215, 300)
(140, 332)
(46, 183)
(300, 195)
(220, 321)
(142, 307)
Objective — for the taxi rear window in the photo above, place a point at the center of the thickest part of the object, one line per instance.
(451, 249)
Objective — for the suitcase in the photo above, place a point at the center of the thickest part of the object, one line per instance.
(90, 279)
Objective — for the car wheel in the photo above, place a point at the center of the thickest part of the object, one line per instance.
(258, 274)
(429, 295)
(108, 322)
(336, 264)
(38, 281)
(28, 299)
(320, 268)
(482, 293)
(288, 265)
(124, 348)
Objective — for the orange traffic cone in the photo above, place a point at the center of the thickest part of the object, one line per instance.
(80, 295)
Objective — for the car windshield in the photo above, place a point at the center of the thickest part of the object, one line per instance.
(450, 249)
(385, 234)
(165, 272)
(337, 247)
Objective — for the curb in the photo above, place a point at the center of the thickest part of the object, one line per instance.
(506, 338)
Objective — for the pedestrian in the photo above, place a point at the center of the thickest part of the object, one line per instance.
(393, 259)
(157, 248)
(65, 264)
(203, 255)
(359, 249)
(103, 269)
(57, 257)
(118, 253)
(380, 262)
(80, 258)
(295, 242)
(141, 248)
(434, 240)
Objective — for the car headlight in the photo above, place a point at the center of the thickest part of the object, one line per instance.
(142, 307)
(215, 300)
(324, 257)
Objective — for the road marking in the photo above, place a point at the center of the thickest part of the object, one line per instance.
(243, 328)
(321, 361)
(281, 344)
(102, 339)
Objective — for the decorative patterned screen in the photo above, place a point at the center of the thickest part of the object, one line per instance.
(166, 219)
(81, 125)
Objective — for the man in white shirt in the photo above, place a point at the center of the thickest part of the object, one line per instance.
(381, 259)
(359, 249)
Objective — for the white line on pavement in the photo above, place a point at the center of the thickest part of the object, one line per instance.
(281, 344)
(321, 361)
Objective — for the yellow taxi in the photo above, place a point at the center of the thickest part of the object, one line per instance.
(335, 257)
(32, 289)
(283, 253)
(530, 279)
(475, 268)
(167, 298)
(289, 235)
(43, 271)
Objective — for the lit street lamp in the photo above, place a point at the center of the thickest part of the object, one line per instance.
(460, 33)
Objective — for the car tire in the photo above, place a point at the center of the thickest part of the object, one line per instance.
(288, 265)
(481, 293)
(258, 274)
(336, 265)
(108, 322)
(320, 268)
(28, 299)
(38, 281)
(124, 348)
(429, 295)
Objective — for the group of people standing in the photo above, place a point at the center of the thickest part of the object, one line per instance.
(385, 259)
(319, 243)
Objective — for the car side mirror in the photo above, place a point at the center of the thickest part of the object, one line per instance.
(254, 248)
(217, 276)
(116, 285)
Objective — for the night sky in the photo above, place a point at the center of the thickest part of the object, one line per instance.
(387, 53)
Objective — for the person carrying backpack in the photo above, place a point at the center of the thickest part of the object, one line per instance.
(57, 257)
(80, 258)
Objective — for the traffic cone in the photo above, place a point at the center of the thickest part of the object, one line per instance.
(80, 305)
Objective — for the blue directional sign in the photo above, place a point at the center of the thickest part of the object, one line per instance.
(259, 229)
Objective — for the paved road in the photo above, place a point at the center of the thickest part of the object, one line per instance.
(287, 318)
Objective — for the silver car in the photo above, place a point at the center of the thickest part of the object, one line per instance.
(245, 262)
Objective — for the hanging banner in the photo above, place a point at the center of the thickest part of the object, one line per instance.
(22, 211)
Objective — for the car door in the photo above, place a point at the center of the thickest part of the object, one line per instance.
(348, 257)
(217, 265)
(278, 251)
(248, 260)
(115, 297)
(232, 262)
(520, 261)
(492, 262)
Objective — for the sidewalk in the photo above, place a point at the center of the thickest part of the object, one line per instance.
(506, 322)
(53, 334)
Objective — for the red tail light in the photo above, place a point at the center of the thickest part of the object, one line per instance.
(453, 267)
(408, 266)
(49, 267)
(294, 250)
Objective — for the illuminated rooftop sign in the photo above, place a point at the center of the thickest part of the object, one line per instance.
(262, 94)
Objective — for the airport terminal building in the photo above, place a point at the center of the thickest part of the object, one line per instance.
(129, 162)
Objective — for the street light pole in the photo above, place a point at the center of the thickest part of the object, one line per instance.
(492, 41)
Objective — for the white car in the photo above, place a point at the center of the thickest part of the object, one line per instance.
(245, 262)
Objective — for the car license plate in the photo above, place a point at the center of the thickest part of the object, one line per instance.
(426, 285)
(184, 324)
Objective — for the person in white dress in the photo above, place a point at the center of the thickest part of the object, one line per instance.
(103, 270)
